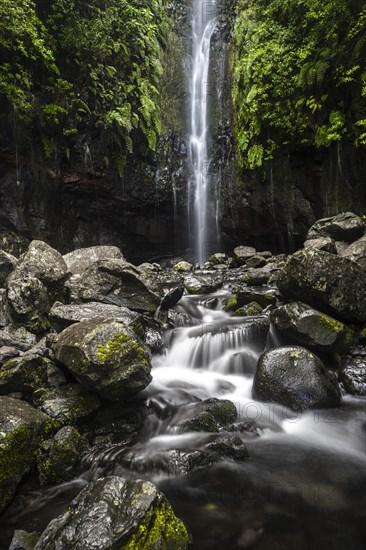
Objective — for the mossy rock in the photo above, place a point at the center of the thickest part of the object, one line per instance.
(22, 429)
(26, 374)
(253, 308)
(61, 456)
(106, 357)
(120, 514)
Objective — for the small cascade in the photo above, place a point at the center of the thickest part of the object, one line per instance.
(203, 26)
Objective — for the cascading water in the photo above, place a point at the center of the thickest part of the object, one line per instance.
(203, 25)
(301, 486)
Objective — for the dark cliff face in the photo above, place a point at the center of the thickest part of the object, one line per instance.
(82, 203)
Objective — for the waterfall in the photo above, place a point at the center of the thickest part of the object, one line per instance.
(203, 25)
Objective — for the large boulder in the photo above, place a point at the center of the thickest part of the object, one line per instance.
(17, 337)
(79, 260)
(356, 251)
(322, 243)
(114, 282)
(353, 375)
(28, 302)
(115, 513)
(295, 377)
(62, 315)
(312, 328)
(7, 265)
(334, 284)
(105, 356)
(43, 262)
(202, 283)
(343, 227)
(22, 429)
(243, 253)
(69, 403)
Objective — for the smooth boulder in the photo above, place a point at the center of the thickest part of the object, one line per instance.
(115, 513)
(312, 328)
(331, 283)
(295, 377)
(106, 357)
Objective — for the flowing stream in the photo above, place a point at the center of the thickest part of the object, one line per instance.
(203, 25)
(302, 486)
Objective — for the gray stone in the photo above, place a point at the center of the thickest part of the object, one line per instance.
(295, 377)
(69, 403)
(22, 428)
(63, 316)
(7, 265)
(242, 253)
(353, 375)
(202, 283)
(25, 374)
(322, 243)
(28, 302)
(116, 513)
(114, 282)
(105, 356)
(79, 260)
(24, 541)
(4, 312)
(7, 352)
(356, 251)
(17, 337)
(312, 328)
(343, 227)
(183, 267)
(334, 284)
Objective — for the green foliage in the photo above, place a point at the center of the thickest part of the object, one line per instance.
(299, 75)
(121, 349)
(69, 65)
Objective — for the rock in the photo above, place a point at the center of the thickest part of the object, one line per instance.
(62, 457)
(245, 297)
(207, 415)
(113, 282)
(261, 275)
(4, 313)
(227, 446)
(253, 308)
(296, 378)
(81, 259)
(122, 423)
(154, 340)
(242, 253)
(44, 263)
(28, 302)
(334, 284)
(7, 352)
(21, 430)
(343, 227)
(24, 541)
(322, 243)
(201, 422)
(256, 261)
(116, 513)
(63, 316)
(17, 337)
(171, 298)
(356, 251)
(353, 375)
(183, 267)
(312, 328)
(26, 374)
(202, 283)
(69, 403)
(7, 265)
(105, 356)
(218, 259)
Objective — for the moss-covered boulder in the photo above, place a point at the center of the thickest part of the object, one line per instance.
(26, 374)
(115, 513)
(22, 428)
(331, 283)
(246, 296)
(60, 457)
(207, 416)
(105, 356)
(312, 328)
(253, 308)
(295, 377)
(69, 404)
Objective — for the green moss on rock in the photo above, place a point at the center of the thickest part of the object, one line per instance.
(121, 349)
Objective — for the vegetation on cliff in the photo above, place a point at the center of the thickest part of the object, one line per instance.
(69, 67)
(299, 75)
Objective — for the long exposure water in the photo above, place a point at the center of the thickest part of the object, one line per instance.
(302, 486)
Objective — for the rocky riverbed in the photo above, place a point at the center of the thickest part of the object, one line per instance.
(94, 426)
